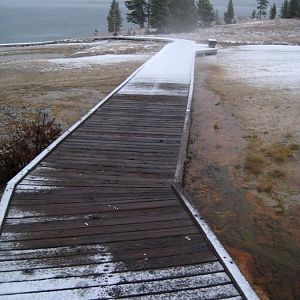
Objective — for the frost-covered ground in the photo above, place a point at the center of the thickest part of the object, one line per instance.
(279, 31)
(262, 85)
(272, 66)
(90, 61)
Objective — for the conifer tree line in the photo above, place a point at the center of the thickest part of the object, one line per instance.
(175, 15)
(186, 15)
(114, 19)
(290, 9)
(168, 15)
(262, 6)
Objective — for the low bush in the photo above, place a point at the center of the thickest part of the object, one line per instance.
(23, 138)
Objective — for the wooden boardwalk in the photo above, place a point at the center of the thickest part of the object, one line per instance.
(97, 218)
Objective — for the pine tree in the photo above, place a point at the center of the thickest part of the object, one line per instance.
(138, 12)
(114, 19)
(182, 15)
(294, 8)
(217, 17)
(285, 10)
(253, 15)
(158, 14)
(261, 7)
(229, 14)
(205, 12)
(273, 12)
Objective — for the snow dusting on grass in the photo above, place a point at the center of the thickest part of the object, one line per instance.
(263, 65)
(88, 61)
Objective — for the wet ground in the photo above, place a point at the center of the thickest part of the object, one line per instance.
(263, 240)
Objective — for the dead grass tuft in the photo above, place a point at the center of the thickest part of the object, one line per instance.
(295, 147)
(265, 186)
(266, 163)
(255, 163)
(216, 127)
(277, 174)
(278, 152)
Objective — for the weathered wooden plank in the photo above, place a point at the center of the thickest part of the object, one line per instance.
(91, 230)
(125, 256)
(118, 216)
(61, 209)
(110, 293)
(110, 270)
(129, 288)
(142, 246)
(103, 238)
(49, 226)
(90, 267)
(215, 292)
(82, 200)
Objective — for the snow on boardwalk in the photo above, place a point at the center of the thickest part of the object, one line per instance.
(96, 217)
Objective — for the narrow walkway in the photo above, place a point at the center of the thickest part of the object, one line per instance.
(98, 219)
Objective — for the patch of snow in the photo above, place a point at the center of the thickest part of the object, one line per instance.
(88, 61)
(172, 64)
(144, 88)
(55, 279)
(275, 66)
(30, 188)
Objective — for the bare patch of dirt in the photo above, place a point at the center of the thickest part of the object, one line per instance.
(254, 210)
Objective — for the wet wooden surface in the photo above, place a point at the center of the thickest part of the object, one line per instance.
(97, 219)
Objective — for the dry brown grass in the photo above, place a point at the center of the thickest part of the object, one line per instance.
(277, 174)
(265, 186)
(255, 163)
(27, 80)
(68, 94)
(278, 152)
(266, 163)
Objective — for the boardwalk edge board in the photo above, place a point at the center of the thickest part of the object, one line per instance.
(177, 185)
(236, 275)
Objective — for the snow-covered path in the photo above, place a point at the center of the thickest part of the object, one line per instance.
(172, 65)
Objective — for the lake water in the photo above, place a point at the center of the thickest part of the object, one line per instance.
(43, 20)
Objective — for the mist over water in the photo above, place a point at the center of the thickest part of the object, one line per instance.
(43, 20)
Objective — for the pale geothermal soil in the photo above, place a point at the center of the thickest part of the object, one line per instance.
(243, 167)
